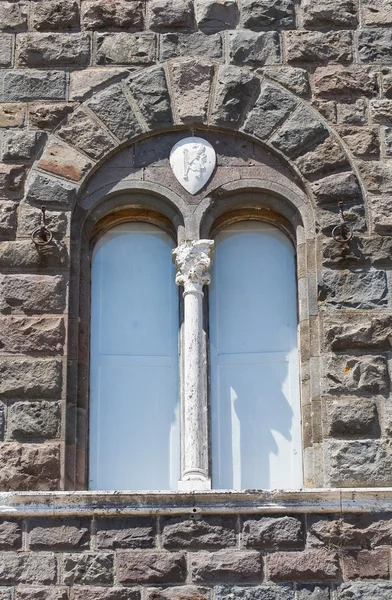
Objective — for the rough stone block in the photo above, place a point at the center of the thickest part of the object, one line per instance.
(30, 217)
(185, 592)
(10, 535)
(329, 13)
(170, 14)
(327, 157)
(352, 113)
(27, 568)
(356, 331)
(13, 16)
(88, 569)
(216, 15)
(114, 110)
(27, 420)
(101, 593)
(56, 15)
(60, 159)
(358, 374)
(58, 534)
(53, 50)
(29, 467)
(351, 417)
(343, 186)
(272, 107)
(30, 377)
(376, 13)
(377, 176)
(309, 565)
(32, 335)
(293, 78)
(32, 293)
(303, 130)
(235, 90)
(150, 91)
(259, 592)
(267, 13)
(362, 141)
(359, 463)
(375, 46)
(12, 178)
(22, 145)
(83, 83)
(366, 564)
(33, 85)
(41, 593)
(2, 423)
(7, 219)
(226, 566)
(84, 133)
(387, 137)
(366, 531)
(345, 81)
(48, 116)
(191, 81)
(254, 49)
(5, 50)
(192, 44)
(146, 566)
(134, 532)
(313, 592)
(382, 215)
(365, 591)
(387, 82)
(110, 15)
(319, 47)
(12, 115)
(48, 191)
(125, 49)
(273, 532)
(209, 532)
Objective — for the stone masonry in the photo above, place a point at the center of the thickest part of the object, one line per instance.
(296, 98)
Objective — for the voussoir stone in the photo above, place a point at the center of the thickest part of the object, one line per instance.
(32, 334)
(53, 50)
(33, 85)
(30, 377)
(235, 90)
(116, 14)
(84, 133)
(114, 110)
(171, 14)
(363, 290)
(303, 130)
(327, 157)
(210, 532)
(272, 107)
(41, 593)
(133, 532)
(57, 15)
(191, 44)
(365, 374)
(147, 566)
(185, 592)
(83, 83)
(326, 13)
(226, 566)
(101, 593)
(254, 49)
(319, 47)
(27, 420)
(273, 532)
(58, 534)
(293, 78)
(308, 565)
(10, 535)
(259, 592)
(125, 48)
(362, 463)
(27, 568)
(191, 80)
(216, 15)
(365, 591)
(150, 91)
(88, 569)
(65, 161)
(350, 417)
(342, 186)
(345, 81)
(356, 331)
(375, 46)
(32, 293)
(29, 467)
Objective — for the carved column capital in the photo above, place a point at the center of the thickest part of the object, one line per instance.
(193, 260)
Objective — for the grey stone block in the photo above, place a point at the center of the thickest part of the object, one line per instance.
(377, 176)
(7, 219)
(271, 108)
(28, 420)
(326, 158)
(209, 532)
(185, 592)
(170, 14)
(85, 592)
(119, 14)
(351, 417)
(145, 566)
(216, 15)
(88, 569)
(38, 335)
(27, 568)
(12, 177)
(293, 78)
(319, 47)
(10, 534)
(361, 375)
(193, 44)
(53, 50)
(125, 49)
(361, 290)
(375, 46)
(133, 532)
(88, 82)
(32, 293)
(29, 467)
(30, 377)
(365, 591)
(345, 81)
(303, 130)
(34, 85)
(41, 593)
(235, 90)
(267, 13)
(273, 532)
(5, 50)
(58, 534)
(150, 91)
(254, 49)
(114, 110)
(375, 250)
(259, 592)
(226, 566)
(313, 592)
(57, 15)
(381, 215)
(13, 16)
(360, 463)
(22, 145)
(48, 191)
(342, 186)
(23, 254)
(357, 331)
(81, 131)
(329, 13)
(363, 142)
(352, 113)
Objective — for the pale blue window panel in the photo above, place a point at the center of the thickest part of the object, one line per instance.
(255, 401)
(134, 398)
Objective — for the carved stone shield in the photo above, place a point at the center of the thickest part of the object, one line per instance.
(192, 161)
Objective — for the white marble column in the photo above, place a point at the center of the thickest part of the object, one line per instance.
(193, 260)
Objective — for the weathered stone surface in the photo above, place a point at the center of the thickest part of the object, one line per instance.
(125, 49)
(88, 569)
(226, 566)
(309, 565)
(30, 377)
(53, 50)
(350, 417)
(84, 133)
(358, 374)
(170, 14)
(382, 214)
(22, 145)
(185, 592)
(114, 110)
(58, 534)
(352, 113)
(12, 178)
(48, 116)
(319, 47)
(32, 293)
(362, 463)
(48, 191)
(30, 217)
(39, 593)
(260, 592)
(235, 89)
(362, 141)
(7, 219)
(191, 81)
(32, 334)
(374, 250)
(10, 535)
(377, 176)
(209, 532)
(215, 15)
(33, 85)
(27, 420)
(342, 186)
(192, 44)
(254, 49)
(5, 50)
(146, 566)
(293, 78)
(266, 13)
(378, 13)
(100, 593)
(2, 422)
(375, 45)
(345, 81)
(272, 107)
(61, 15)
(327, 157)
(387, 82)
(13, 16)
(365, 591)
(326, 108)
(136, 532)
(149, 89)
(27, 568)
(366, 564)
(300, 132)
(12, 115)
(83, 83)
(313, 592)
(273, 532)
(356, 331)
(327, 13)
(28, 467)
(118, 14)
(64, 161)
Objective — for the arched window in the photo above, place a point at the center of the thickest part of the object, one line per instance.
(255, 406)
(134, 404)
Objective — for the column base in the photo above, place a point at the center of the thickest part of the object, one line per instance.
(194, 485)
